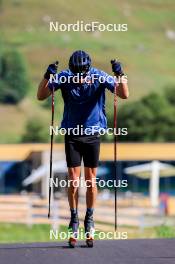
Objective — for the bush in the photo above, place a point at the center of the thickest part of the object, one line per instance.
(170, 94)
(35, 131)
(14, 83)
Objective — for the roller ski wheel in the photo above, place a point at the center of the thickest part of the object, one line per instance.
(72, 242)
(90, 242)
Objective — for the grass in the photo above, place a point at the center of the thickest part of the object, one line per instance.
(165, 231)
(20, 233)
(11, 233)
(147, 54)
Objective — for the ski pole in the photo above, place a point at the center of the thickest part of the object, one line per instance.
(115, 149)
(51, 142)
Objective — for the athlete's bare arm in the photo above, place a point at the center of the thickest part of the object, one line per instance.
(122, 89)
(43, 90)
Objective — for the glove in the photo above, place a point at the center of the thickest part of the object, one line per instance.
(117, 68)
(52, 69)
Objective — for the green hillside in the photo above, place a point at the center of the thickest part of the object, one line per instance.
(147, 49)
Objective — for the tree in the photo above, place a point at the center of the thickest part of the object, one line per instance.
(14, 83)
(150, 119)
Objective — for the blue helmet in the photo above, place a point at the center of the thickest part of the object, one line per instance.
(79, 62)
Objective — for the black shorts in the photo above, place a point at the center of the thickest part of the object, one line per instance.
(86, 147)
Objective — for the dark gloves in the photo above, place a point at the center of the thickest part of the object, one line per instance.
(117, 68)
(52, 69)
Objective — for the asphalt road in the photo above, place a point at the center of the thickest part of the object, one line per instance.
(143, 251)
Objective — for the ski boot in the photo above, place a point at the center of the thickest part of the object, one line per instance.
(73, 232)
(89, 230)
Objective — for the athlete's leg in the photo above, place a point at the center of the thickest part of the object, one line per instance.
(73, 177)
(91, 192)
(90, 157)
(73, 158)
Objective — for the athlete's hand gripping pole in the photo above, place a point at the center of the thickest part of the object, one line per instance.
(51, 140)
